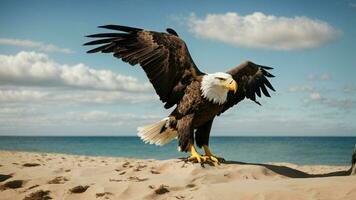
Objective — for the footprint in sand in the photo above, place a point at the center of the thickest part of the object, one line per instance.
(12, 184)
(126, 164)
(31, 165)
(38, 195)
(190, 185)
(103, 194)
(140, 167)
(155, 172)
(79, 189)
(162, 190)
(115, 180)
(58, 180)
(135, 178)
(4, 177)
(34, 186)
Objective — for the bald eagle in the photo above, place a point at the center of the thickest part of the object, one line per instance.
(198, 97)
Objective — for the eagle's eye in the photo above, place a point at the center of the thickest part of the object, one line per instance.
(221, 79)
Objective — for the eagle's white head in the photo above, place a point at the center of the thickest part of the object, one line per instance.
(214, 87)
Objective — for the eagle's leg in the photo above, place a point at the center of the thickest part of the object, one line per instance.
(195, 155)
(211, 156)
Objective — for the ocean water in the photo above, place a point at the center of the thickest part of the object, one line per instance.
(298, 150)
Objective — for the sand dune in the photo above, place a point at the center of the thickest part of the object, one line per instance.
(43, 176)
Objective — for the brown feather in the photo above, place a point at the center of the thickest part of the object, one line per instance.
(163, 56)
(251, 80)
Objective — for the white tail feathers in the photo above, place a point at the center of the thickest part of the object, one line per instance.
(151, 133)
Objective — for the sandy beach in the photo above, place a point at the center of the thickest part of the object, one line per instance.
(30, 176)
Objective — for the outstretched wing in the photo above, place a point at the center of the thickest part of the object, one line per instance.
(163, 56)
(251, 80)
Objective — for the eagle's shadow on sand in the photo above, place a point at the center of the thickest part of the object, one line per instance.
(290, 172)
(280, 169)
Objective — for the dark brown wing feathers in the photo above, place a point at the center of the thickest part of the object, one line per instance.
(251, 80)
(163, 56)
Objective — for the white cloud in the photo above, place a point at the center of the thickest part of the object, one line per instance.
(350, 88)
(109, 117)
(61, 97)
(300, 88)
(322, 77)
(33, 78)
(9, 111)
(41, 96)
(34, 45)
(258, 30)
(312, 77)
(31, 68)
(315, 96)
(21, 95)
(25, 121)
(340, 103)
(325, 77)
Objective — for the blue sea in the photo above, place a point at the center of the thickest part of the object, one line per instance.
(298, 150)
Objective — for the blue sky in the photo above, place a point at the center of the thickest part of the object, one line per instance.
(50, 86)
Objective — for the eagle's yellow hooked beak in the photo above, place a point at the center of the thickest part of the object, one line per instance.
(231, 85)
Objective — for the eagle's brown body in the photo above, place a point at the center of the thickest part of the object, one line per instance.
(178, 82)
(194, 112)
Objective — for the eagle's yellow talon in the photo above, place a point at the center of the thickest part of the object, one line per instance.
(211, 157)
(205, 157)
(214, 159)
(196, 156)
